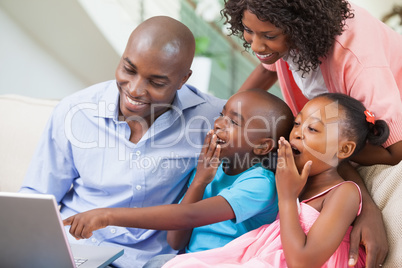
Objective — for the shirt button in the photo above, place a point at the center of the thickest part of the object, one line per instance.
(113, 230)
(138, 187)
(94, 240)
(138, 153)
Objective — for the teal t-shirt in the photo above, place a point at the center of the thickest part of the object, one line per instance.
(253, 198)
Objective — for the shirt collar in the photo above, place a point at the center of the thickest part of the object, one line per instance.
(109, 102)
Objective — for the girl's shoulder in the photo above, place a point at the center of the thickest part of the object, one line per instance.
(350, 186)
(345, 192)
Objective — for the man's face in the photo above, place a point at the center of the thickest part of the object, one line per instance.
(148, 79)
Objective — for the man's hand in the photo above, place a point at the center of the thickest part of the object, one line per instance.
(83, 224)
(368, 230)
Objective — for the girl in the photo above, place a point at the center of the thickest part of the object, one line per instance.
(317, 46)
(313, 233)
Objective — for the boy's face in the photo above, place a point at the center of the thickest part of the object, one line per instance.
(147, 79)
(239, 129)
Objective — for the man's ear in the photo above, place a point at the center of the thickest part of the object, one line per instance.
(185, 78)
(346, 149)
(264, 147)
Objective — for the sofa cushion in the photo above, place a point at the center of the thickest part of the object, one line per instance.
(384, 183)
(22, 120)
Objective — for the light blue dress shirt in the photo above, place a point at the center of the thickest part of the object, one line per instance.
(86, 160)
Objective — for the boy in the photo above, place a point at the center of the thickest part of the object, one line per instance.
(231, 191)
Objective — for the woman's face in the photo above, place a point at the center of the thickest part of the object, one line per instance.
(267, 41)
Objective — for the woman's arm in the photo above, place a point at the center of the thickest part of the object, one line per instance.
(259, 78)
(368, 228)
(371, 155)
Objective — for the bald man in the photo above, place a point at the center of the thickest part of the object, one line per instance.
(130, 142)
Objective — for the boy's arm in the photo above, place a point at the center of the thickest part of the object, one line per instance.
(368, 228)
(164, 217)
(178, 239)
(259, 78)
(208, 164)
(192, 212)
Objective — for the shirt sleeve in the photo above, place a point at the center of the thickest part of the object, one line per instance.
(251, 194)
(52, 169)
(377, 89)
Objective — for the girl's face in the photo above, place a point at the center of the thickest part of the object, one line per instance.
(267, 41)
(316, 135)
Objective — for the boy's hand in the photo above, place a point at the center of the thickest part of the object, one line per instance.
(208, 161)
(288, 180)
(83, 224)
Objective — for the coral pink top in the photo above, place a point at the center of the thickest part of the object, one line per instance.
(262, 248)
(364, 63)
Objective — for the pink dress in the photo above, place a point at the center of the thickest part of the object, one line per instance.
(262, 247)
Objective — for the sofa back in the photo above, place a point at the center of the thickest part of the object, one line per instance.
(22, 121)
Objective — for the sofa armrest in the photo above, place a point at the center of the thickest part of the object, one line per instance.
(384, 183)
(22, 120)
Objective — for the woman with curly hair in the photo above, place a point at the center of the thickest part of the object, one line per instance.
(319, 46)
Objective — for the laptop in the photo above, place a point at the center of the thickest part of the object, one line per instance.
(32, 235)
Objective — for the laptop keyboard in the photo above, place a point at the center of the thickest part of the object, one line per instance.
(78, 262)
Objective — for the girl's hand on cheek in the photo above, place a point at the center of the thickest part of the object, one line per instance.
(289, 182)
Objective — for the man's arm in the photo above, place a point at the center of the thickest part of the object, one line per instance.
(368, 228)
(52, 168)
(259, 78)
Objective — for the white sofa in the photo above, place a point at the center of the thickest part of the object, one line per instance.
(23, 119)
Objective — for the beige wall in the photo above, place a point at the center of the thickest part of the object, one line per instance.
(377, 7)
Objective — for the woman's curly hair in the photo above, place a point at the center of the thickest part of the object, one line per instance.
(310, 26)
